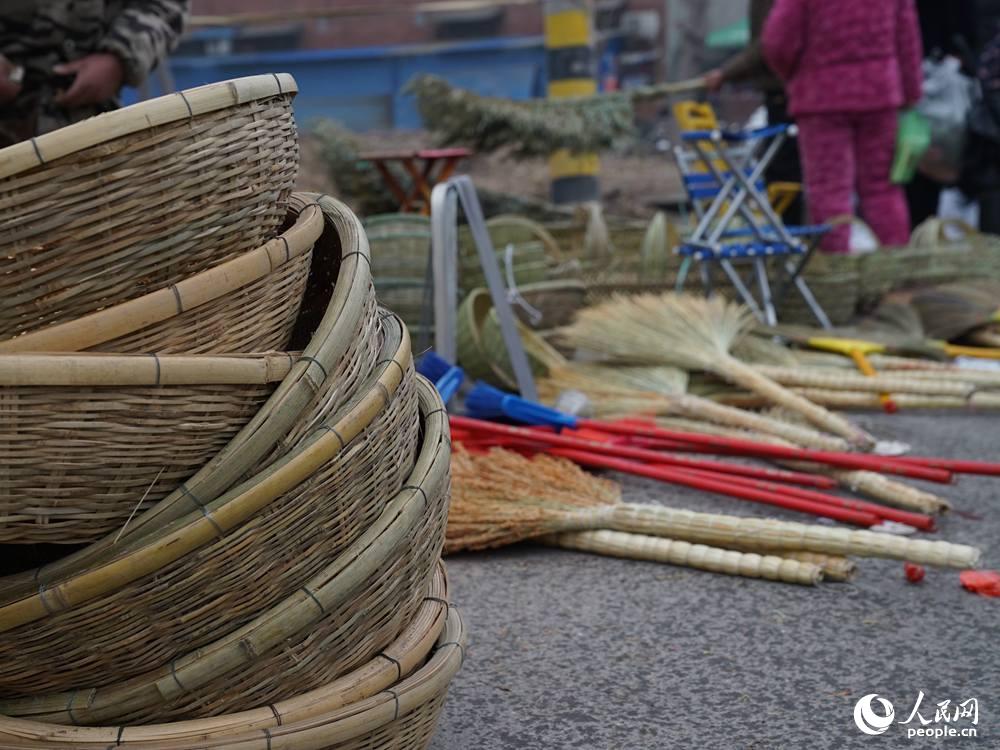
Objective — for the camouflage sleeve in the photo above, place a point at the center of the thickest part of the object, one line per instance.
(142, 34)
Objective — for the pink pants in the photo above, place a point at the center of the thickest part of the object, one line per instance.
(844, 152)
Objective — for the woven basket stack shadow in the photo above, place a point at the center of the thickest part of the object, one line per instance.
(223, 487)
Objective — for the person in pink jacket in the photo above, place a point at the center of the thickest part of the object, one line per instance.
(849, 66)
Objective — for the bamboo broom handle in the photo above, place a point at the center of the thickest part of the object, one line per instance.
(835, 567)
(703, 408)
(837, 381)
(698, 556)
(891, 491)
(865, 366)
(876, 486)
(748, 377)
(723, 531)
(916, 520)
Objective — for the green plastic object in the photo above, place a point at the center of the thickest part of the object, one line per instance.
(913, 137)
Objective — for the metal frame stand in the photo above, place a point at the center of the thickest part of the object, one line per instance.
(445, 199)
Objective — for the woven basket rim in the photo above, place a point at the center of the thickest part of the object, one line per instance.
(44, 149)
(201, 521)
(188, 294)
(329, 343)
(117, 370)
(429, 678)
(296, 613)
(397, 660)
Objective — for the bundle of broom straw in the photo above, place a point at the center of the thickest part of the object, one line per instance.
(501, 497)
(692, 333)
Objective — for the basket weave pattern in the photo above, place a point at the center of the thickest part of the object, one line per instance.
(114, 221)
(75, 462)
(224, 583)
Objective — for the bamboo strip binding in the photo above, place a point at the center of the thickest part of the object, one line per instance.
(149, 575)
(134, 200)
(177, 318)
(331, 350)
(409, 651)
(340, 597)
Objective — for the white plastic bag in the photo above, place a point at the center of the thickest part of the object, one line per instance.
(948, 97)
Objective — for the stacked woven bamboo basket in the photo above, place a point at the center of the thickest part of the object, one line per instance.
(223, 488)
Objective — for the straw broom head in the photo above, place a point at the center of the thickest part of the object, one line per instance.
(660, 329)
(951, 310)
(693, 333)
(613, 390)
(501, 497)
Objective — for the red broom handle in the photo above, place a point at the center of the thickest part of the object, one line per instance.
(735, 446)
(641, 454)
(957, 466)
(917, 520)
(720, 486)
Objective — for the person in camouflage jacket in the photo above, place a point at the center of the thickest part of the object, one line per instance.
(62, 61)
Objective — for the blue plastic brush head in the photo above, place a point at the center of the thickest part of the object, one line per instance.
(433, 366)
(486, 402)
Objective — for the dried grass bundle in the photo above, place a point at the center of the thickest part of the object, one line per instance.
(693, 333)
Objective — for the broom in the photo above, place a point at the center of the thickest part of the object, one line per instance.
(876, 486)
(501, 497)
(693, 333)
(480, 517)
(657, 391)
(484, 401)
(951, 310)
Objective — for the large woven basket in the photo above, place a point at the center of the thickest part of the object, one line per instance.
(331, 621)
(183, 585)
(391, 702)
(131, 201)
(247, 304)
(338, 330)
(87, 441)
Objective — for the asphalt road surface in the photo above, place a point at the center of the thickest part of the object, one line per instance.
(571, 650)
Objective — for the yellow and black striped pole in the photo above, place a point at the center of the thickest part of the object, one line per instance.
(570, 62)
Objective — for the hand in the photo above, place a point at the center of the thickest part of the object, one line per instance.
(98, 78)
(8, 89)
(714, 80)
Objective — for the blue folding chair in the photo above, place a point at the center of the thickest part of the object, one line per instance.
(722, 172)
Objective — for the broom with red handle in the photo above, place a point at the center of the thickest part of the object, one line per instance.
(770, 493)
(486, 401)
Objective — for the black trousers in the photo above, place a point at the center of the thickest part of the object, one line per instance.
(786, 165)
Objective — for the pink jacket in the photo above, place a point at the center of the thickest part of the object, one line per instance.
(845, 55)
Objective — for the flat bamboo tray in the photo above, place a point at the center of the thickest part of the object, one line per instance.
(391, 702)
(247, 304)
(212, 570)
(131, 201)
(337, 327)
(89, 440)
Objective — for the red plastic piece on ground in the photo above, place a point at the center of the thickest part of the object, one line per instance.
(914, 573)
(984, 582)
